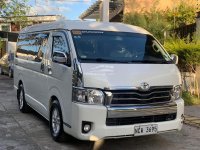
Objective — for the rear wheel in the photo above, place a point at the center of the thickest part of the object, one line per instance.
(10, 73)
(56, 122)
(23, 107)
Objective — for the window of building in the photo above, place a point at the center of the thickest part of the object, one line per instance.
(5, 28)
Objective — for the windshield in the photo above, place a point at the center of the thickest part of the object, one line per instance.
(118, 47)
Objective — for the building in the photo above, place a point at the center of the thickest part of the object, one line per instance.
(120, 7)
(9, 30)
(94, 11)
(7, 23)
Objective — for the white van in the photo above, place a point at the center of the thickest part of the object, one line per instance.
(97, 80)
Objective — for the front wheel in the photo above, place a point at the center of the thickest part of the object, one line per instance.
(56, 122)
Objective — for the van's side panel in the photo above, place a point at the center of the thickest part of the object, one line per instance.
(29, 67)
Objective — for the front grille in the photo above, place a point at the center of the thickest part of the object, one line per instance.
(153, 95)
(141, 119)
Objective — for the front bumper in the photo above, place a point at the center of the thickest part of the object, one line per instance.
(98, 114)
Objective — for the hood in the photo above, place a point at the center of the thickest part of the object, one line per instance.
(129, 75)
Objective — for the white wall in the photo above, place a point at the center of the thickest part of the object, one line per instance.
(11, 47)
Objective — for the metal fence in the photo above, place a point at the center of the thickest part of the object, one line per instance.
(184, 31)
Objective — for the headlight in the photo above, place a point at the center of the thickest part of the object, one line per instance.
(89, 96)
(176, 92)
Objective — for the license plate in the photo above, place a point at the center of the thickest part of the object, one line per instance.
(145, 129)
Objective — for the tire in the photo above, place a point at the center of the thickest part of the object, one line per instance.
(56, 122)
(10, 73)
(23, 107)
(1, 71)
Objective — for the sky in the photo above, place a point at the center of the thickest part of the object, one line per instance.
(70, 9)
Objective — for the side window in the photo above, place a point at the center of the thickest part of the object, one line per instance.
(22, 46)
(32, 46)
(60, 44)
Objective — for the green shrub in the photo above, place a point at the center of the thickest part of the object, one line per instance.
(153, 21)
(188, 52)
(181, 15)
(190, 99)
(157, 21)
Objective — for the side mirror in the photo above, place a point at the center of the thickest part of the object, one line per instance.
(60, 57)
(174, 58)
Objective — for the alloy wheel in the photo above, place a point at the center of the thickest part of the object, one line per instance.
(21, 100)
(55, 121)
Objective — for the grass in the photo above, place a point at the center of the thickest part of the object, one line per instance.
(190, 99)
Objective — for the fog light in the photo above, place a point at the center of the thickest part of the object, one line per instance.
(86, 126)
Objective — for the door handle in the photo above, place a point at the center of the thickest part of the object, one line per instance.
(49, 69)
(42, 67)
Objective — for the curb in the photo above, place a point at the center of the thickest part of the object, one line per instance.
(192, 121)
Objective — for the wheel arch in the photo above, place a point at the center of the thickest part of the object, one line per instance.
(19, 84)
(52, 99)
(54, 95)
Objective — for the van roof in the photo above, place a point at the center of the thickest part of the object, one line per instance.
(84, 25)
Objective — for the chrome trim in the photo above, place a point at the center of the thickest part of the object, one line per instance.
(136, 91)
(127, 93)
(135, 87)
(138, 111)
(127, 105)
(138, 99)
(144, 86)
(108, 98)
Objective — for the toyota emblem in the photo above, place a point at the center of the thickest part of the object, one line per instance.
(144, 86)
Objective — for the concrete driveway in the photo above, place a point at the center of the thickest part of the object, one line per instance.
(31, 132)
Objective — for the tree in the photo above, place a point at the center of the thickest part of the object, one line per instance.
(15, 11)
(2, 3)
(153, 21)
(183, 14)
(159, 21)
(189, 58)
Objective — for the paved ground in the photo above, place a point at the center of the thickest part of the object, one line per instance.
(31, 132)
(193, 111)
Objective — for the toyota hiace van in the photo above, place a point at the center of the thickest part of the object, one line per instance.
(95, 80)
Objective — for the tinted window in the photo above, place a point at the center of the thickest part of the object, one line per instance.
(93, 46)
(31, 46)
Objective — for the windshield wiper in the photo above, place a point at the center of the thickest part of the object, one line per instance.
(152, 61)
(128, 61)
